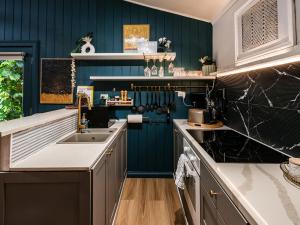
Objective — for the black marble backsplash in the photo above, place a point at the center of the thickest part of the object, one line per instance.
(265, 104)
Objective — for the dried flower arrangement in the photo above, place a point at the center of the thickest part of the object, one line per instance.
(164, 44)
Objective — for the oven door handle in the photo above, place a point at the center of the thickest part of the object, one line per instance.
(190, 171)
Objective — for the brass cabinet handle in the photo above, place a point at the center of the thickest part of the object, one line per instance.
(213, 194)
(109, 152)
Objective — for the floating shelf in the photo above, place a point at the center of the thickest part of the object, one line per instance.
(122, 56)
(142, 78)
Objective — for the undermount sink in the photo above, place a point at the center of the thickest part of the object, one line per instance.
(89, 136)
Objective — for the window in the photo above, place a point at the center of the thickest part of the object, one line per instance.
(263, 28)
(11, 85)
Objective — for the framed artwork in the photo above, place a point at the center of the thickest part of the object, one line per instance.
(89, 90)
(134, 34)
(55, 81)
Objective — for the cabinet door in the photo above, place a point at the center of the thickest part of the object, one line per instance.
(208, 215)
(99, 193)
(124, 153)
(111, 183)
(119, 174)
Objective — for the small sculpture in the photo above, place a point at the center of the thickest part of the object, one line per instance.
(83, 45)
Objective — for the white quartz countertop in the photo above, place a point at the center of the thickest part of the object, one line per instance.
(258, 190)
(64, 157)
(16, 125)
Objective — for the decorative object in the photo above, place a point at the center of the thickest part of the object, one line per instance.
(133, 35)
(147, 70)
(147, 47)
(73, 73)
(179, 72)
(161, 71)
(154, 70)
(56, 81)
(89, 90)
(87, 48)
(164, 45)
(263, 29)
(208, 65)
(85, 40)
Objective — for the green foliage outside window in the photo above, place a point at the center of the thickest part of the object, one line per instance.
(11, 89)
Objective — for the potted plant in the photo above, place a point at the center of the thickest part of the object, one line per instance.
(208, 65)
(164, 45)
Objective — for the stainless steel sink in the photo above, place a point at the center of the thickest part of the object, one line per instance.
(89, 136)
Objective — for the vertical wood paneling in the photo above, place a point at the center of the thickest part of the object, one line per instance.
(57, 24)
(25, 19)
(34, 20)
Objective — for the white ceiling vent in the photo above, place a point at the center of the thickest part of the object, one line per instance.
(262, 28)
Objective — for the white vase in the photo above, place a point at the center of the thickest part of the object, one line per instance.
(207, 69)
(87, 48)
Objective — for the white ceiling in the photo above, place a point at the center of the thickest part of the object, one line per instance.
(206, 10)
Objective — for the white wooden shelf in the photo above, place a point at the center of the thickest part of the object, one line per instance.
(122, 56)
(142, 78)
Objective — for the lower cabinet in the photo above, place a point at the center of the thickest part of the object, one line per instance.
(216, 206)
(66, 198)
(108, 177)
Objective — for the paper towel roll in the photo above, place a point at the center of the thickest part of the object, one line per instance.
(134, 118)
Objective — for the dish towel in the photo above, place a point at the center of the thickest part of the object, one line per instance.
(180, 171)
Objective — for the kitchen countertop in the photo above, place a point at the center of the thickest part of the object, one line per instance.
(17, 125)
(67, 157)
(259, 190)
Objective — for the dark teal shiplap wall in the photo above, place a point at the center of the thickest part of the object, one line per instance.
(57, 24)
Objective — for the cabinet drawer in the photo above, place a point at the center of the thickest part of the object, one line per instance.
(224, 206)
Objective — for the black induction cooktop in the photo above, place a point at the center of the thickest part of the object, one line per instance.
(226, 146)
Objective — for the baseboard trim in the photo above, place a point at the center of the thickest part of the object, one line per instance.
(140, 174)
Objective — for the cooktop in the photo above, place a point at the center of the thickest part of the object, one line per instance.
(230, 146)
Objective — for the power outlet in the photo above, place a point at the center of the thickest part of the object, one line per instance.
(181, 94)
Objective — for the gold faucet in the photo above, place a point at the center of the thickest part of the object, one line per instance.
(79, 98)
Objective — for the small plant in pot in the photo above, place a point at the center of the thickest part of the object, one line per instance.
(164, 45)
(208, 65)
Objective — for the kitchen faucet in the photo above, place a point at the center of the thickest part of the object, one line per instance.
(79, 98)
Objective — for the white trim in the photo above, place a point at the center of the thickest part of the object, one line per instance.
(286, 33)
(169, 11)
(12, 55)
(223, 11)
(282, 61)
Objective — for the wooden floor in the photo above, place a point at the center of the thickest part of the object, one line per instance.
(149, 201)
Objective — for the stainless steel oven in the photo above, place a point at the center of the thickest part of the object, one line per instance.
(191, 192)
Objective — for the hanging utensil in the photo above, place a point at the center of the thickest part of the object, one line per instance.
(174, 100)
(141, 108)
(165, 106)
(152, 100)
(147, 107)
(134, 108)
(159, 109)
(156, 98)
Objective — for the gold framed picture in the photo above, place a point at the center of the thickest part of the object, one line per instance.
(55, 81)
(134, 34)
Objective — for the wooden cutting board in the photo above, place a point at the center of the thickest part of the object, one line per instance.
(209, 126)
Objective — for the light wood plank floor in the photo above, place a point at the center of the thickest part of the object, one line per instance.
(149, 201)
